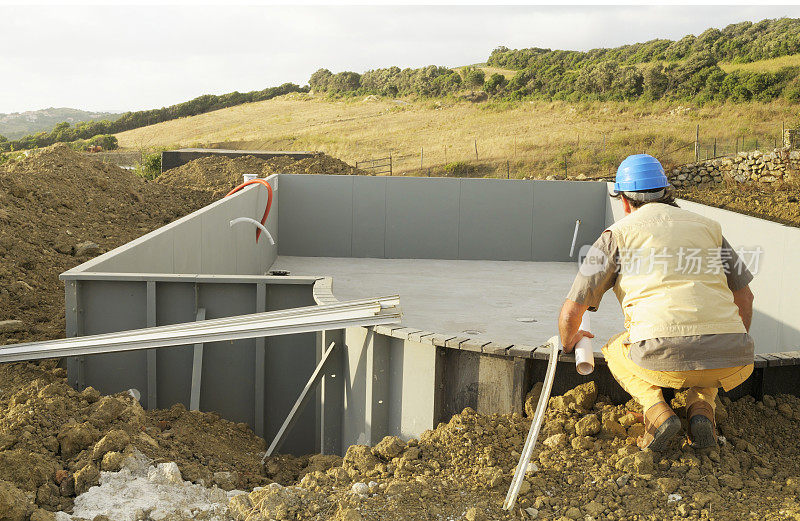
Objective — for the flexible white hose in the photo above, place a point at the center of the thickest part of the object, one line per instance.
(533, 433)
(256, 223)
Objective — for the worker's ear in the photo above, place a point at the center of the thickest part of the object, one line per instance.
(626, 206)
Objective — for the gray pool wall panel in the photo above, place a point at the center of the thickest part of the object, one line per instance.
(436, 218)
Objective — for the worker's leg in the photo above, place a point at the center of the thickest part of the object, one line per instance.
(701, 397)
(704, 384)
(630, 376)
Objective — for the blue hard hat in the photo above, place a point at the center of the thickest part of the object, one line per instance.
(640, 172)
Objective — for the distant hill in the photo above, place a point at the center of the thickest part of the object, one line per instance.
(18, 124)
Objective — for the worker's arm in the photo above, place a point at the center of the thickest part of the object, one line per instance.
(569, 323)
(743, 298)
(739, 278)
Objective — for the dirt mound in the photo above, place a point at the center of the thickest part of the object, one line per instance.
(220, 174)
(55, 440)
(586, 466)
(779, 202)
(58, 208)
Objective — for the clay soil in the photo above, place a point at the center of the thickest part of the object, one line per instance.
(219, 174)
(586, 466)
(50, 203)
(779, 203)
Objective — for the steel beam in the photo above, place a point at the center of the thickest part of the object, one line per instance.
(366, 312)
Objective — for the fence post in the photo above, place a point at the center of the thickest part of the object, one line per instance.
(508, 170)
(476, 150)
(697, 144)
(715, 147)
(390, 164)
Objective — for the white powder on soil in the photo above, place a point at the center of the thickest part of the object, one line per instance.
(141, 491)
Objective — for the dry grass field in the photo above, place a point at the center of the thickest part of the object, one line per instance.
(770, 65)
(525, 139)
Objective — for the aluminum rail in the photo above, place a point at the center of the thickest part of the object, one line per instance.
(367, 312)
(533, 433)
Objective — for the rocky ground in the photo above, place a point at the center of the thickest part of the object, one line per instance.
(54, 443)
(586, 466)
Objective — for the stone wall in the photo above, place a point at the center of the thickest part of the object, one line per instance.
(781, 164)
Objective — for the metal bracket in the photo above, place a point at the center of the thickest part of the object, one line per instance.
(298, 406)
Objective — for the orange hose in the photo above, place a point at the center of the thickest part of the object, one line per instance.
(269, 199)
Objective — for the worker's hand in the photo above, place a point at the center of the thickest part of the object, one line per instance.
(570, 346)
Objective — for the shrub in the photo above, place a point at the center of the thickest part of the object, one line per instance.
(495, 83)
(458, 169)
(150, 167)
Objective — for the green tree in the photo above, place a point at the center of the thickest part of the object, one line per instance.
(495, 83)
(474, 78)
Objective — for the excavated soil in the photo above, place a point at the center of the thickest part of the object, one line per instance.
(51, 205)
(586, 466)
(55, 440)
(779, 202)
(220, 174)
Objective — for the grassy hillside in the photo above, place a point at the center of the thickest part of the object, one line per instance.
(768, 65)
(18, 124)
(534, 137)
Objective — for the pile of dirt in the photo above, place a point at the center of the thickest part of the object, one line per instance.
(779, 202)
(220, 174)
(58, 208)
(54, 441)
(586, 466)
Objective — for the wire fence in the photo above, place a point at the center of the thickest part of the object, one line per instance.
(593, 155)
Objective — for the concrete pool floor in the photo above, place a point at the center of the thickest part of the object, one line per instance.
(501, 301)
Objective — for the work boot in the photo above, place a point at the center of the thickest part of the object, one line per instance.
(661, 424)
(702, 427)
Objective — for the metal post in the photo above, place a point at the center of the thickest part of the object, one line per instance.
(197, 368)
(697, 145)
(152, 370)
(508, 170)
(476, 150)
(74, 328)
(260, 364)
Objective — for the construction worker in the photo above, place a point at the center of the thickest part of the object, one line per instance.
(685, 297)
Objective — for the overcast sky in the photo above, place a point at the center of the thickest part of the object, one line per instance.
(128, 58)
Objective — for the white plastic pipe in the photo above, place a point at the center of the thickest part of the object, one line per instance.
(574, 237)
(584, 351)
(256, 223)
